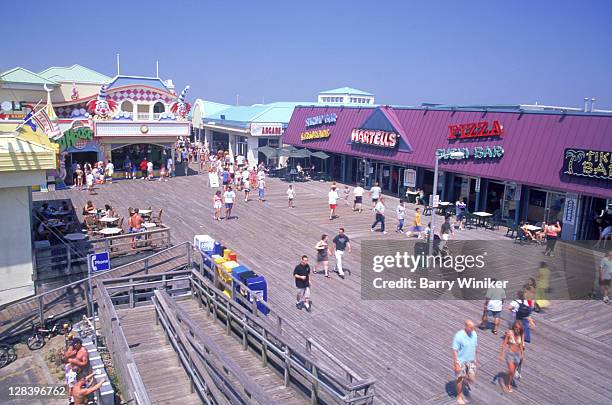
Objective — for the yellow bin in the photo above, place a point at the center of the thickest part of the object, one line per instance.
(226, 276)
(226, 253)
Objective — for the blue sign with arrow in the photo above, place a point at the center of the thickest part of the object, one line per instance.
(97, 262)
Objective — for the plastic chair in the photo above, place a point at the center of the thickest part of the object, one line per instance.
(512, 228)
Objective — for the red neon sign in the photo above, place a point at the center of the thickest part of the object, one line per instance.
(475, 130)
(373, 137)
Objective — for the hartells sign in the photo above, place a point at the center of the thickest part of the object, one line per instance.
(373, 137)
(475, 130)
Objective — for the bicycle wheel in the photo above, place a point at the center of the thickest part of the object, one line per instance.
(4, 357)
(35, 341)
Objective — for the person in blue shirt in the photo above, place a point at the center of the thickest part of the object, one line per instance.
(465, 357)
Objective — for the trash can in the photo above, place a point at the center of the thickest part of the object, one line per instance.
(259, 286)
(217, 248)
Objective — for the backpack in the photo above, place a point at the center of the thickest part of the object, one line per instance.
(523, 311)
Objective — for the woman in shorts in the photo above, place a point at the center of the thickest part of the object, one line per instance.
(79, 177)
(323, 252)
(513, 346)
(217, 205)
(247, 185)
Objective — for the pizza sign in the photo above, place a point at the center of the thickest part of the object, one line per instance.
(472, 130)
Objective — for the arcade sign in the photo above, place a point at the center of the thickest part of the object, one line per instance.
(321, 120)
(374, 137)
(266, 129)
(478, 152)
(588, 163)
(475, 130)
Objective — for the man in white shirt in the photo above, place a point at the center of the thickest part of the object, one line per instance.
(401, 212)
(150, 170)
(261, 189)
(332, 198)
(110, 170)
(358, 193)
(240, 160)
(291, 195)
(493, 306)
(228, 198)
(375, 194)
(379, 209)
(170, 167)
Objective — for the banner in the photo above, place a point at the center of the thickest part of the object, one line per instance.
(569, 211)
(409, 178)
(50, 128)
(266, 129)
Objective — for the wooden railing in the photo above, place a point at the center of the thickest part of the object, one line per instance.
(59, 259)
(133, 388)
(304, 362)
(212, 374)
(73, 297)
(301, 361)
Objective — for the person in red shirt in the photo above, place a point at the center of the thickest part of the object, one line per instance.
(143, 166)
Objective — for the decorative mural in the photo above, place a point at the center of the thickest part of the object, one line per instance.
(101, 108)
(181, 108)
(140, 94)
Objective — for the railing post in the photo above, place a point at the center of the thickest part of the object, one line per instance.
(287, 366)
(308, 346)
(189, 259)
(69, 259)
(146, 266)
(41, 310)
(279, 323)
(244, 333)
(132, 294)
(228, 317)
(106, 245)
(264, 348)
(314, 393)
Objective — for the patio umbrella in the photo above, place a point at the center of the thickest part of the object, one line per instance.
(320, 155)
(268, 151)
(295, 153)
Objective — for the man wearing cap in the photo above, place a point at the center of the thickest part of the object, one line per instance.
(80, 391)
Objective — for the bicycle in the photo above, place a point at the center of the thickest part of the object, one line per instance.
(7, 355)
(50, 329)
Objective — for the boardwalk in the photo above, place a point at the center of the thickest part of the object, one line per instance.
(405, 345)
(152, 354)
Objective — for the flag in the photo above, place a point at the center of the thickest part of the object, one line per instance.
(49, 127)
(29, 121)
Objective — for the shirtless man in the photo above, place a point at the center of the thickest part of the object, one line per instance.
(135, 225)
(77, 355)
(80, 393)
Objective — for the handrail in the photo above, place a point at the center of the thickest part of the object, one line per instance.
(14, 315)
(280, 320)
(292, 356)
(119, 348)
(211, 352)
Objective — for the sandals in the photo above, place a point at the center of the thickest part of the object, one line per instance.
(494, 331)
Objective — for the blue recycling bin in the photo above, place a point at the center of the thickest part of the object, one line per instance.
(259, 286)
(208, 262)
(218, 249)
(254, 282)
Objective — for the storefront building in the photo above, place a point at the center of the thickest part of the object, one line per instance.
(240, 130)
(519, 165)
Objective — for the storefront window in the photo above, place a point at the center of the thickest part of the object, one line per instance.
(495, 193)
(241, 145)
(220, 141)
(536, 207)
(556, 202)
(136, 153)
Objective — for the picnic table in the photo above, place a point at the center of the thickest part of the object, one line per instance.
(443, 207)
(108, 220)
(73, 237)
(110, 231)
(412, 196)
(482, 217)
(533, 228)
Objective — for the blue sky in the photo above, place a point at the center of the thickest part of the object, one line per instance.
(553, 52)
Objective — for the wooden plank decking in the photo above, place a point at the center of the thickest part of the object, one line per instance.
(164, 377)
(271, 382)
(405, 345)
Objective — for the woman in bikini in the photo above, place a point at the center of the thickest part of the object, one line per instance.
(513, 347)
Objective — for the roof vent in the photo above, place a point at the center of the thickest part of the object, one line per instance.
(592, 104)
(586, 104)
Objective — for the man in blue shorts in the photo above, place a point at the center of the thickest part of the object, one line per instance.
(465, 357)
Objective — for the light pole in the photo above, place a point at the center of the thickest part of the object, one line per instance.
(452, 155)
